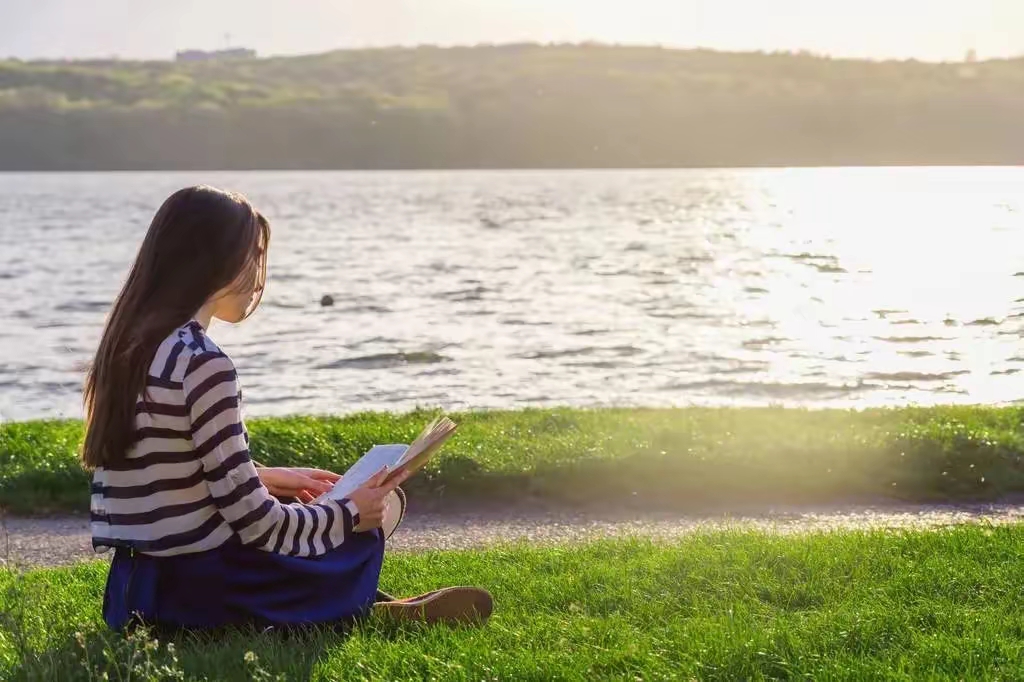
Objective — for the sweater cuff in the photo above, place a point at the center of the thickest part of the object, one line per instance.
(351, 513)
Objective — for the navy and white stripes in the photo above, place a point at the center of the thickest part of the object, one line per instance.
(188, 483)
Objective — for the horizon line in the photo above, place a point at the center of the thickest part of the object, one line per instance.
(793, 52)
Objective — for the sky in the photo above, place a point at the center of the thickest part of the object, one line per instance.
(934, 30)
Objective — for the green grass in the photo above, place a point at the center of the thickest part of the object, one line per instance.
(683, 458)
(728, 606)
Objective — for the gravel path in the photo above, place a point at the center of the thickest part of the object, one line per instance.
(61, 541)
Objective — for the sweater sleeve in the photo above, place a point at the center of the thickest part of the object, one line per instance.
(221, 442)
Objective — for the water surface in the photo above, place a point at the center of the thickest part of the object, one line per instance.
(816, 287)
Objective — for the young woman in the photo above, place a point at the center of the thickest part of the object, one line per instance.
(200, 535)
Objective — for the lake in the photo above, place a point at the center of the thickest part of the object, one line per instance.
(813, 287)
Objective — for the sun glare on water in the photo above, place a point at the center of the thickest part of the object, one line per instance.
(914, 280)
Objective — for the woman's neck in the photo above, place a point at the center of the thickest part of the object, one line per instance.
(203, 316)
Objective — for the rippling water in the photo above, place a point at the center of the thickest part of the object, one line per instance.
(503, 289)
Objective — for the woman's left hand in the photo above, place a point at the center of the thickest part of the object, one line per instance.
(305, 484)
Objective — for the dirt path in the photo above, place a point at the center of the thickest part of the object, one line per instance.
(65, 540)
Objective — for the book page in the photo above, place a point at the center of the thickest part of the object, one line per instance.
(396, 457)
(426, 444)
(369, 464)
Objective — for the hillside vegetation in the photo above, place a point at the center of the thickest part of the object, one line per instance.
(508, 106)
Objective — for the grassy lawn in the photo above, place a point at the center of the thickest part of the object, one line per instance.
(923, 605)
(675, 457)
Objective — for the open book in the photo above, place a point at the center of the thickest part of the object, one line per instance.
(396, 458)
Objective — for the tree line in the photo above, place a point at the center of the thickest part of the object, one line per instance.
(508, 107)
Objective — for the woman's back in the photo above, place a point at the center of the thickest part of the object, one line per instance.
(188, 484)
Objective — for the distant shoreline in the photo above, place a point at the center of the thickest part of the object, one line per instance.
(512, 106)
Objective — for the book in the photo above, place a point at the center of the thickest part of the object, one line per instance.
(396, 457)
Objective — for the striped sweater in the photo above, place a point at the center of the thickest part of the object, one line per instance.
(188, 483)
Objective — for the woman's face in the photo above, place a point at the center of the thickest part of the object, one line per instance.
(232, 304)
(235, 300)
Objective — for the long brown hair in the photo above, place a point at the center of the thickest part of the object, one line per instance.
(200, 241)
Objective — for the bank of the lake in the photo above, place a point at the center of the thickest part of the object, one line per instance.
(688, 459)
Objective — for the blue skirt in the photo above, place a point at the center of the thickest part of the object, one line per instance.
(238, 585)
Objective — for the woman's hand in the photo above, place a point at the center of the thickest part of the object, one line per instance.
(371, 501)
(305, 484)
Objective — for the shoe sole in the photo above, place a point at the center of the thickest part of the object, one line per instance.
(454, 605)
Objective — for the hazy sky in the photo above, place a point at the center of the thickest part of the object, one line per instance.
(925, 29)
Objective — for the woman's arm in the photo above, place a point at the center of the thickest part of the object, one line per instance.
(220, 440)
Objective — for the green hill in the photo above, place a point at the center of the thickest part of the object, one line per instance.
(508, 106)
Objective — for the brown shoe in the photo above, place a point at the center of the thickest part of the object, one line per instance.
(452, 605)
